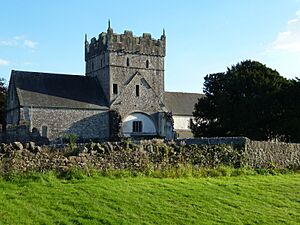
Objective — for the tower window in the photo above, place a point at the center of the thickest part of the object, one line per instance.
(127, 62)
(137, 90)
(137, 126)
(115, 89)
(44, 131)
(147, 64)
(92, 66)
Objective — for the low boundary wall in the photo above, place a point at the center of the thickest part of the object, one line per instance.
(141, 155)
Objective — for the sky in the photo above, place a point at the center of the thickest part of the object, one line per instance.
(203, 36)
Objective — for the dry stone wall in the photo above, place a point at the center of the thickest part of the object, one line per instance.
(22, 133)
(262, 154)
(16, 157)
(146, 155)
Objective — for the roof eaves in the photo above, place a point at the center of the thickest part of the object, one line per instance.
(101, 108)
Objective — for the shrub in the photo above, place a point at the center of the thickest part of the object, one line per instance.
(72, 138)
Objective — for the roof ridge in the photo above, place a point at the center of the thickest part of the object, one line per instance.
(180, 92)
(46, 73)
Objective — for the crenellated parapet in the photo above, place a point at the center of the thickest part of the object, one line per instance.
(126, 42)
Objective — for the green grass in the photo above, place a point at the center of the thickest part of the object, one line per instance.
(142, 200)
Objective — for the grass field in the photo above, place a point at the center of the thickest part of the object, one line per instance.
(101, 200)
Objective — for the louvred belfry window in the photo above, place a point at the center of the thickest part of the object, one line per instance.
(137, 126)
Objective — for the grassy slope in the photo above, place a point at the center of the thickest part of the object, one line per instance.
(100, 200)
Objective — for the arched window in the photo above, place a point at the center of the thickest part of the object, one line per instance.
(147, 64)
(127, 62)
(138, 124)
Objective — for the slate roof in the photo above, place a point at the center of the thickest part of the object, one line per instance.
(180, 103)
(58, 90)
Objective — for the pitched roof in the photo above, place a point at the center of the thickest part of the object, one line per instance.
(180, 103)
(58, 90)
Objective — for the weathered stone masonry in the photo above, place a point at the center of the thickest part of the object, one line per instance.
(84, 123)
(141, 156)
(125, 60)
(130, 70)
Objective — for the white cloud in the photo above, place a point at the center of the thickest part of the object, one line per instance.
(289, 40)
(293, 21)
(9, 42)
(19, 37)
(3, 62)
(19, 41)
(29, 43)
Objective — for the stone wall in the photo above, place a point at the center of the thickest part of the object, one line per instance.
(12, 105)
(233, 141)
(140, 157)
(13, 116)
(98, 66)
(126, 42)
(121, 74)
(145, 155)
(84, 123)
(147, 101)
(261, 154)
(22, 133)
(257, 154)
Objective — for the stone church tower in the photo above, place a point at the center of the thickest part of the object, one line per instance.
(115, 58)
(130, 71)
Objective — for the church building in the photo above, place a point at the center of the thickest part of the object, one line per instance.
(122, 94)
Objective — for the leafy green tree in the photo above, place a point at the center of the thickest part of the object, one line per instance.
(244, 101)
(3, 90)
(290, 120)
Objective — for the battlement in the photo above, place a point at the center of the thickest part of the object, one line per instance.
(126, 42)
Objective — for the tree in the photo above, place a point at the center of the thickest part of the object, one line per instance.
(244, 101)
(290, 120)
(3, 91)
